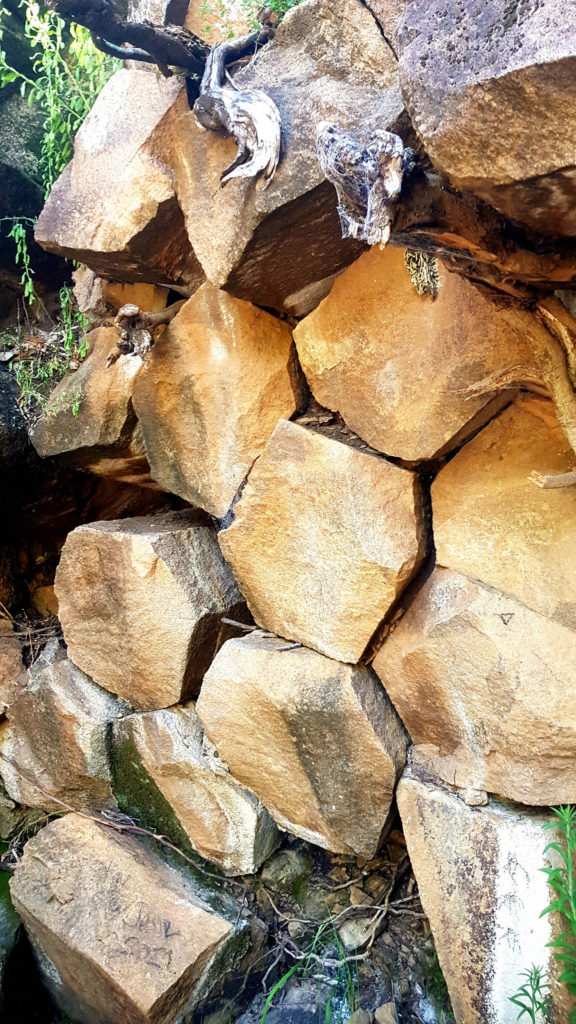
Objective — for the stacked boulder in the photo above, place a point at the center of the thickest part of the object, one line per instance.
(370, 605)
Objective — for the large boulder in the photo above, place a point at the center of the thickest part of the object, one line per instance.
(89, 420)
(210, 394)
(397, 365)
(480, 879)
(167, 776)
(325, 537)
(54, 745)
(489, 687)
(113, 207)
(317, 741)
(140, 601)
(119, 935)
(492, 524)
(481, 83)
(12, 672)
(281, 246)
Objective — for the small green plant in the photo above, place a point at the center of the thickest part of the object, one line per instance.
(343, 1000)
(532, 996)
(249, 8)
(435, 986)
(562, 881)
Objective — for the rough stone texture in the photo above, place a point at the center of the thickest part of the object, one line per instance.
(481, 83)
(317, 741)
(100, 298)
(57, 735)
(210, 394)
(12, 672)
(387, 14)
(121, 937)
(395, 363)
(89, 420)
(215, 23)
(113, 207)
(489, 686)
(480, 881)
(166, 774)
(141, 602)
(280, 247)
(492, 524)
(325, 538)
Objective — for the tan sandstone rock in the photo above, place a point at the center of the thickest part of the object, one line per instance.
(12, 672)
(492, 524)
(119, 935)
(141, 602)
(210, 394)
(324, 539)
(281, 246)
(481, 83)
(215, 22)
(55, 742)
(317, 741)
(89, 420)
(489, 687)
(167, 775)
(396, 364)
(482, 888)
(113, 207)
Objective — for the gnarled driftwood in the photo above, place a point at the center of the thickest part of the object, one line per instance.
(137, 330)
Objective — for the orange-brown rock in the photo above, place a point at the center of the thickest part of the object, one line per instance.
(113, 207)
(141, 602)
(168, 777)
(280, 247)
(12, 673)
(325, 537)
(480, 879)
(210, 394)
(480, 82)
(55, 742)
(317, 741)
(489, 687)
(492, 524)
(397, 365)
(119, 935)
(89, 420)
(213, 23)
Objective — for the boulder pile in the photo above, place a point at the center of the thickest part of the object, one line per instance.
(365, 606)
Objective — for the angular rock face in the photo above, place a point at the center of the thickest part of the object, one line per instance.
(213, 24)
(141, 602)
(492, 524)
(12, 672)
(489, 687)
(210, 394)
(57, 736)
(466, 72)
(134, 230)
(90, 421)
(325, 538)
(480, 881)
(120, 936)
(167, 776)
(281, 247)
(396, 364)
(317, 741)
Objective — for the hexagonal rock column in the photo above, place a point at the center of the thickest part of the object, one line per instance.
(166, 774)
(325, 538)
(489, 687)
(119, 935)
(480, 881)
(280, 247)
(89, 420)
(317, 741)
(492, 524)
(113, 207)
(397, 365)
(57, 736)
(140, 601)
(466, 72)
(210, 394)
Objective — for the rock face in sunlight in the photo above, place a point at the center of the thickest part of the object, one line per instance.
(317, 741)
(167, 775)
(113, 207)
(141, 602)
(12, 673)
(352, 538)
(210, 394)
